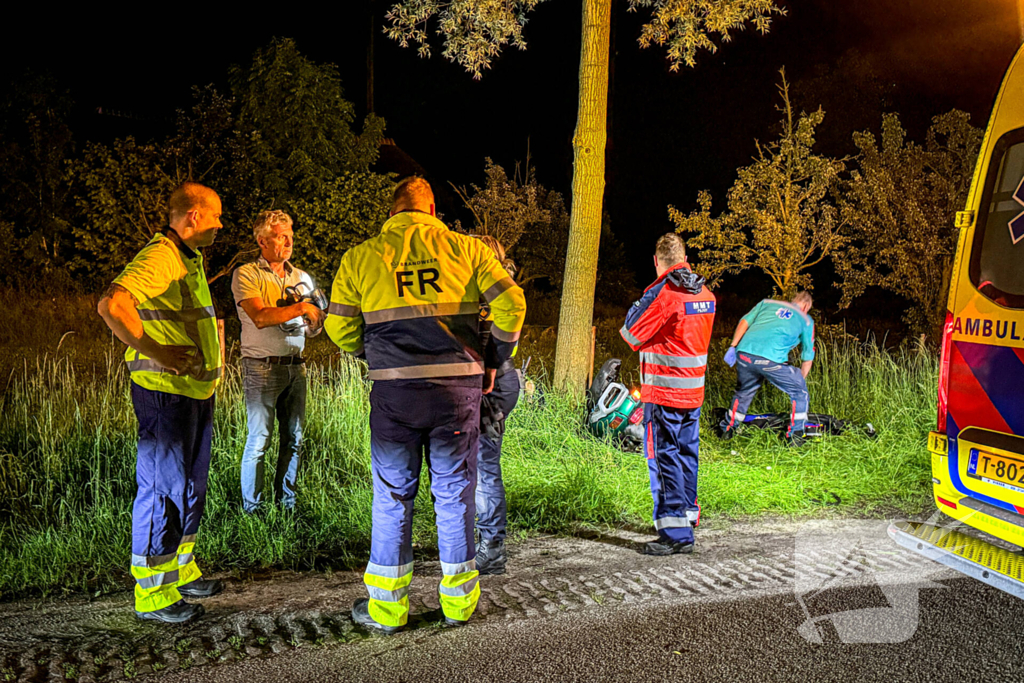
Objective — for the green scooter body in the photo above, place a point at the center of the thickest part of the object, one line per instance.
(616, 410)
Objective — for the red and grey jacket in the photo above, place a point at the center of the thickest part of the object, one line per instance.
(671, 327)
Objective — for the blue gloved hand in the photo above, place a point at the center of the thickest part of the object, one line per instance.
(730, 356)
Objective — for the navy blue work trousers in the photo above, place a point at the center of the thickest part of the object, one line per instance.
(410, 421)
(171, 468)
(671, 444)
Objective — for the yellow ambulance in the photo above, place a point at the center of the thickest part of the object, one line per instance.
(977, 448)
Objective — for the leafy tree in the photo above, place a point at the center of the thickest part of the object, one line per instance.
(121, 190)
(780, 218)
(901, 203)
(475, 31)
(35, 142)
(283, 139)
(540, 254)
(209, 146)
(528, 219)
(532, 224)
(339, 215)
(505, 207)
(294, 117)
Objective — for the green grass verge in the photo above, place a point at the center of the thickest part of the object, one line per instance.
(67, 468)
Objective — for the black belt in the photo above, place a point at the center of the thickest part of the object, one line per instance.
(282, 360)
(505, 368)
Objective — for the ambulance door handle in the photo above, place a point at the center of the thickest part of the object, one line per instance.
(964, 219)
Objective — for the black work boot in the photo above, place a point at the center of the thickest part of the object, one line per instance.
(180, 612)
(491, 557)
(725, 434)
(665, 547)
(361, 615)
(201, 588)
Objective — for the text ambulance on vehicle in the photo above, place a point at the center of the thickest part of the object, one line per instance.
(977, 448)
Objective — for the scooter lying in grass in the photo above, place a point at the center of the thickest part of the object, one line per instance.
(615, 411)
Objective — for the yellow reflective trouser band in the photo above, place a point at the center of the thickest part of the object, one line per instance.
(460, 589)
(388, 587)
(156, 581)
(188, 570)
(157, 577)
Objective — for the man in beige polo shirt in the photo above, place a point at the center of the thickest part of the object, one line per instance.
(274, 373)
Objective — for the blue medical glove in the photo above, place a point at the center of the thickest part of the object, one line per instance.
(730, 356)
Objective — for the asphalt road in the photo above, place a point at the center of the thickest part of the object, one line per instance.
(825, 600)
(966, 633)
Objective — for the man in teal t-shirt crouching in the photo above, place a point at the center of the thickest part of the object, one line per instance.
(760, 348)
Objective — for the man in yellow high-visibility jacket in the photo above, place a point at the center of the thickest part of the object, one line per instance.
(160, 306)
(410, 300)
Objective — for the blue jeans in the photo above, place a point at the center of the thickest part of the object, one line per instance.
(491, 508)
(272, 391)
(672, 446)
(751, 370)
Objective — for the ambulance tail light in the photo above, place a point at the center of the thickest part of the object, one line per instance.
(947, 340)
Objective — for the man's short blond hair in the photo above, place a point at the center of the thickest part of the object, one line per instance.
(412, 192)
(267, 220)
(670, 250)
(186, 197)
(803, 297)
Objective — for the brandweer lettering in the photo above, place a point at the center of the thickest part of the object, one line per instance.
(983, 327)
(414, 263)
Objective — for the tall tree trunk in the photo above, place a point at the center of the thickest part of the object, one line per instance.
(577, 309)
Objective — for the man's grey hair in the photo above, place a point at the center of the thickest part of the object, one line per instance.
(803, 297)
(268, 219)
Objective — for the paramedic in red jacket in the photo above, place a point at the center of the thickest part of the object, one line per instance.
(671, 327)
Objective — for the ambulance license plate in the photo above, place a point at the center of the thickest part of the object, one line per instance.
(997, 469)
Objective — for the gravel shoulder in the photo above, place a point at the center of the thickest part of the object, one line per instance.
(570, 608)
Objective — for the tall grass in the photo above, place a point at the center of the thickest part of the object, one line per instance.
(67, 442)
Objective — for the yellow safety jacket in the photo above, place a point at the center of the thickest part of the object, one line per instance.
(169, 282)
(410, 298)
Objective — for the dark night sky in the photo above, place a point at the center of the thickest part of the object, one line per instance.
(670, 135)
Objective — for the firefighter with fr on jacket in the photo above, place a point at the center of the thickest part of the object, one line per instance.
(671, 327)
(409, 299)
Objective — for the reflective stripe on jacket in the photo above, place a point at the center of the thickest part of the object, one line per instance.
(671, 327)
(410, 298)
(169, 282)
